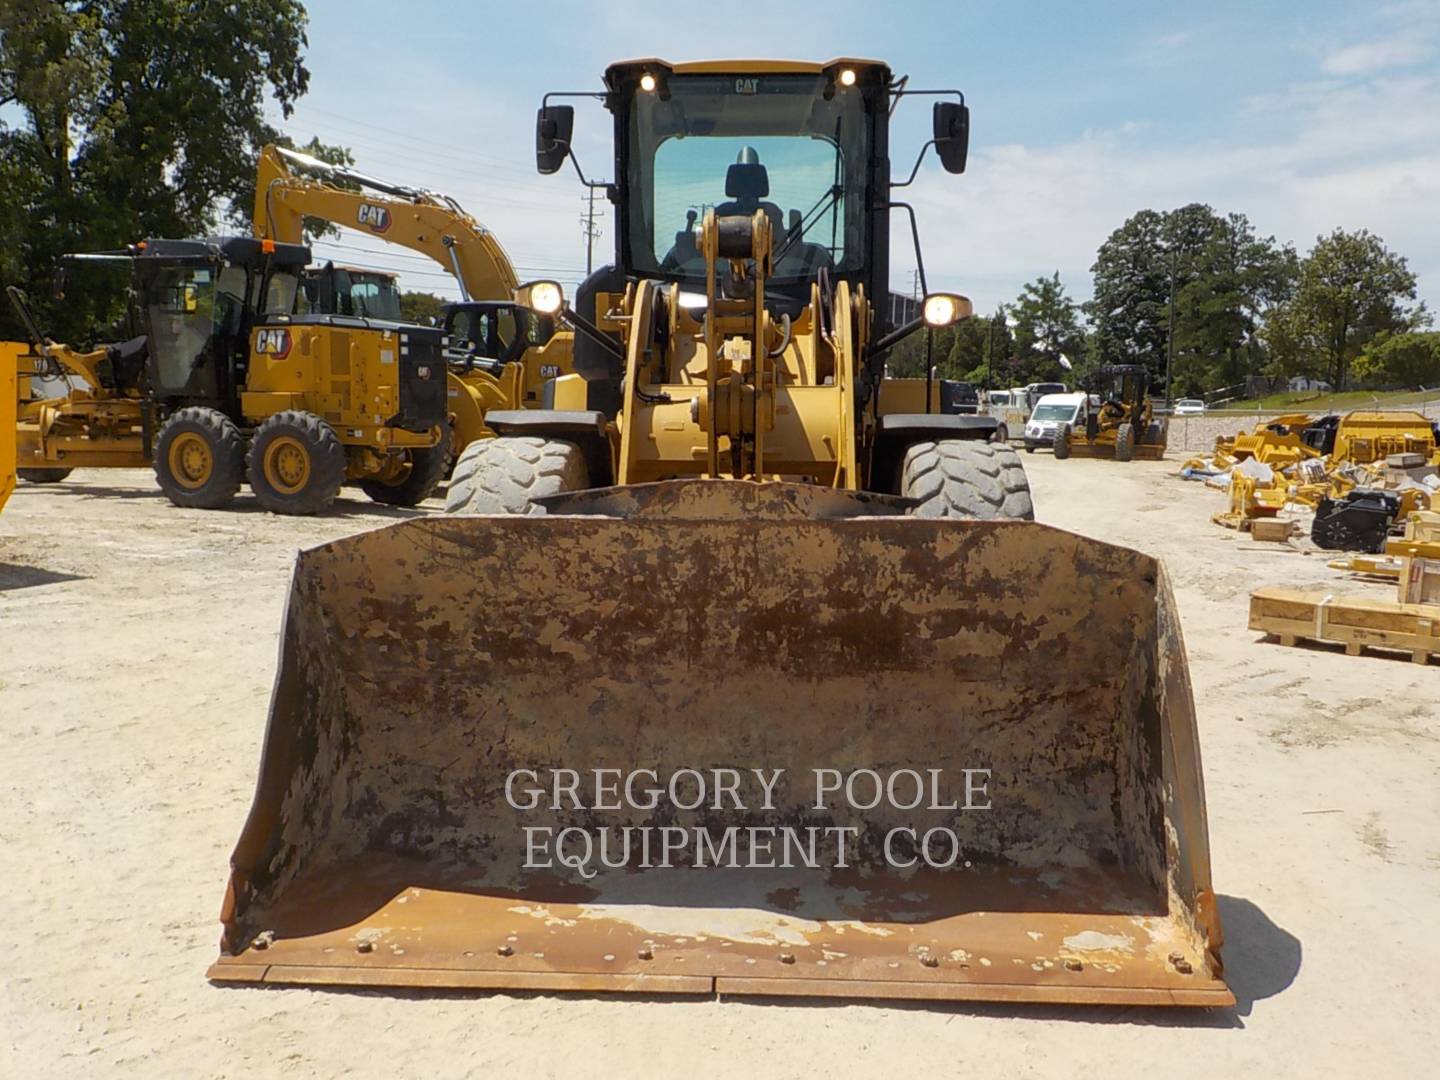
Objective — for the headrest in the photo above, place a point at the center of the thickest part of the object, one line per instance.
(746, 181)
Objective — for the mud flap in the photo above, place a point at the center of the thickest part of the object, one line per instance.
(808, 753)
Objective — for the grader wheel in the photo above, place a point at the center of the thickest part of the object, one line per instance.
(414, 480)
(1061, 445)
(199, 458)
(1125, 443)
(43, 476)
(297, 463)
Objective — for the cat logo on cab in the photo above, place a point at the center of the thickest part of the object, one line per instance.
(375, 218)
(274, 343)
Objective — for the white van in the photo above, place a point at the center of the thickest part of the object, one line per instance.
(1050, 412)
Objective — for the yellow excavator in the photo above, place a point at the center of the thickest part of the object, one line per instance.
(500, 354)
(741, 669)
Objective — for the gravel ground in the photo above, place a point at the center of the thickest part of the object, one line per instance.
(137, 647)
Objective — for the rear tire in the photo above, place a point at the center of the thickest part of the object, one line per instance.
(422, 474)
(1125, 443)
(960, 478)
(199, 458)
(296, 463)
(505, 474)
(43, 476)
(1061, 445)
(1000, 435)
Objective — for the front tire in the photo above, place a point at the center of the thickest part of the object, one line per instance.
(416, 479)
(505, 475)
(296, 463)
(199, 458)
(1061, 445)
(43, 476)
(961, 478)
(1125, 443)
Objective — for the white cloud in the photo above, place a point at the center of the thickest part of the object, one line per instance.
(1300, 163)
(1371, 56)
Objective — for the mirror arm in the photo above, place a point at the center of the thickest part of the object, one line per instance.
(593, 332)
(893, 338)
(918, 159)
(915, 236)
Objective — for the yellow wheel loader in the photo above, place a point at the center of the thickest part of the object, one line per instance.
(500, 355)
(227, 384)
(1122, 426)
(727, 674)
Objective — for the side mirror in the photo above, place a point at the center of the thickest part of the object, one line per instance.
(952, 135)
(554, 125)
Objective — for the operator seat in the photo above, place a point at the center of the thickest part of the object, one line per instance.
(747, 182)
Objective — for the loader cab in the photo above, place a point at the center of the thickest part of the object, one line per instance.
(492, 333)
(797, 144)
(199, 300)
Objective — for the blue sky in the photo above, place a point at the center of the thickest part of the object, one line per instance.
(1305, 116)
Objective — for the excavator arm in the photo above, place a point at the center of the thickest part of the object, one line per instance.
(290, 186)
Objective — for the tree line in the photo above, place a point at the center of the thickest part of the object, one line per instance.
(1200, 293)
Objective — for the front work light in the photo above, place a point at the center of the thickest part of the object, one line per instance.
(944, 309)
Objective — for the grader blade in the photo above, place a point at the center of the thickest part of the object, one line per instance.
(722, 737)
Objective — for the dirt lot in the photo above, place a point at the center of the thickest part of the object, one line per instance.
(137, 646)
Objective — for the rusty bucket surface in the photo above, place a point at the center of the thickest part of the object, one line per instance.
(809, 751)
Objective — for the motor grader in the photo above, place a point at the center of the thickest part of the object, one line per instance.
(1122, 426)
(227, 384)
(649, 709)
(499, 353)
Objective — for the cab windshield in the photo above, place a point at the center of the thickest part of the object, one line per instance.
(771, 143)
(1052, 411)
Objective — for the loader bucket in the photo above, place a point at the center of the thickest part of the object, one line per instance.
(707, 737)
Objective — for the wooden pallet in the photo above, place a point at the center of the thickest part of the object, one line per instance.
(1356, 622)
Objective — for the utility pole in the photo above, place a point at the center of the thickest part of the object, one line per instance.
(1170, 336)
(589, 230)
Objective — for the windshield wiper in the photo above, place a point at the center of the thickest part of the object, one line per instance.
(822, 205)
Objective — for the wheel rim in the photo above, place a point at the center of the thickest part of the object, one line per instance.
(191, 461)
(287, 465)
(395, 471)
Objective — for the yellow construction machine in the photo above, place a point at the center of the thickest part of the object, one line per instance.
(733, 672)
(1122, 426)
(489, 335)
(226, 383)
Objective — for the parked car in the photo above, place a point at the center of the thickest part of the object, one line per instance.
(1190, 407)
(1050, 413)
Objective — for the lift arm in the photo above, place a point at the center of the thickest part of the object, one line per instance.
(289, 186)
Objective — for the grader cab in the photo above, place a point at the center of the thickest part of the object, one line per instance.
(736, 669)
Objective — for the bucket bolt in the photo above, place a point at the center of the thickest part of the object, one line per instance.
(505, 950)
(365, 946)
(929, 959)
(1074, 965)
(787, 957)
(263, 940)
(645, 952)
(1181, 964)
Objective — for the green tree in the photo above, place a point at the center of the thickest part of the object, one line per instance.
(1411, 361)
(1223, 278)
(1047, 327)
(1351, 289)
(421, 307)
(137, 118)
